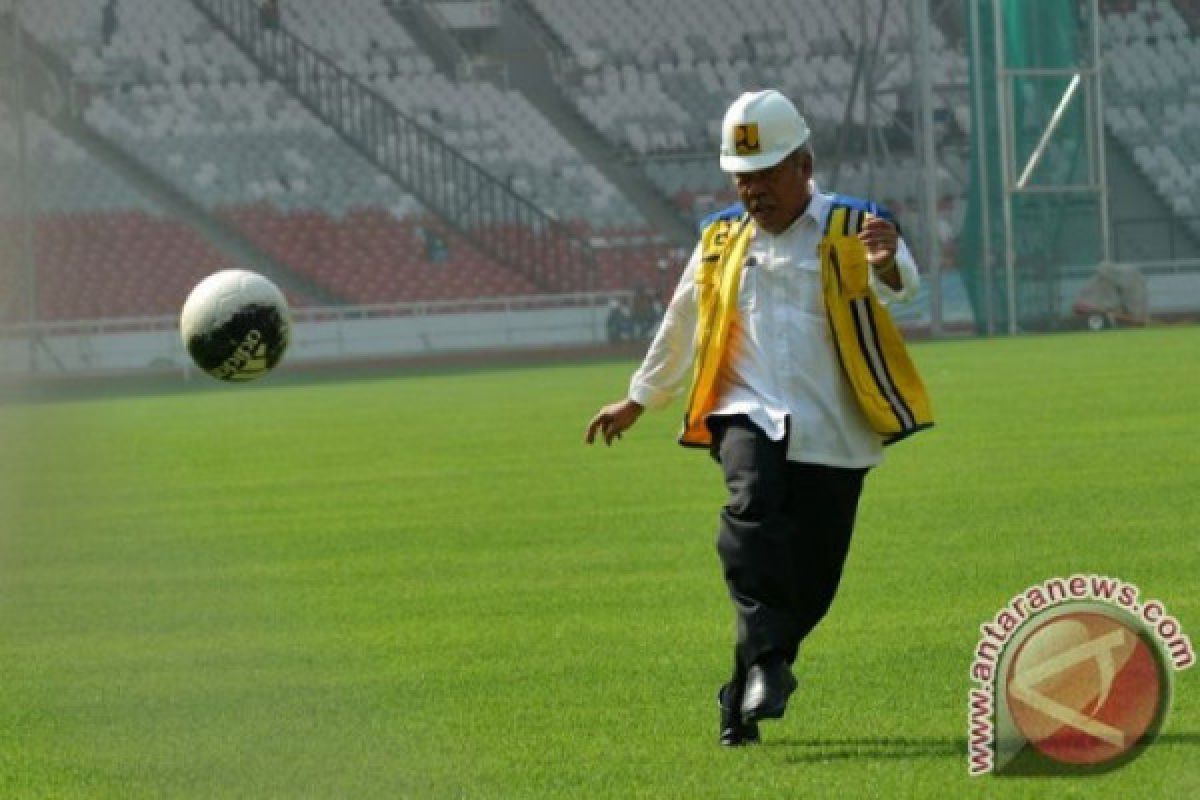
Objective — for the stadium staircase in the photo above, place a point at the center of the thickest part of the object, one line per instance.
(521, 44)
(525, 50)
(57, 97)
(1151, 116)
(483, 209)
(1145, 228)
(432, 38)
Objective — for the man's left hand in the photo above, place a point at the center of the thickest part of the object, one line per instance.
(880, 238)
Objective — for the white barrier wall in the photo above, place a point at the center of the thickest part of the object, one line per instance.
(82, 348)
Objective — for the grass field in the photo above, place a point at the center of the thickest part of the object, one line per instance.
(427, 586)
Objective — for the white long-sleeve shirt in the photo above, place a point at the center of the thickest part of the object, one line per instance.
(786, 365)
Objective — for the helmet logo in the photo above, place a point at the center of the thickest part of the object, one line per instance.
(745, 139)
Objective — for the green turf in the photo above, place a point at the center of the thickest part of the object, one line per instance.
(428, 587)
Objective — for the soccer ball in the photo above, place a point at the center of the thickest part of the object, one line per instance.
(236, 325)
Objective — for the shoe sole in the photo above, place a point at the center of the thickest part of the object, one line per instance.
(742, 743)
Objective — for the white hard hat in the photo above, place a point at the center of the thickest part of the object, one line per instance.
(760, 129)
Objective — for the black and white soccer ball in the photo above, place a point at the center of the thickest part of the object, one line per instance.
(236, 325)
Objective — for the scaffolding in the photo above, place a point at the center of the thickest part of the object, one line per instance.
(1038, 156)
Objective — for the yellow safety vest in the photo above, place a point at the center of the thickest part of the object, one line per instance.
(869, 345)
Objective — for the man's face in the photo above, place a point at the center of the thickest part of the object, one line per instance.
(777, 195)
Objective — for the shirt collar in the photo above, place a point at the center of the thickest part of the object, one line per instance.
(817, 210)
(818, 205)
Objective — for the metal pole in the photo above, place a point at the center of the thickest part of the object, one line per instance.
(868, 88)
(1101, 164)
(980, 135)
(870, 91)
(929, 194)
(29, 267)
(1004, 117)
(1035, 157)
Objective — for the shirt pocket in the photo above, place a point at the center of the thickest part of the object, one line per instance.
(804, 289)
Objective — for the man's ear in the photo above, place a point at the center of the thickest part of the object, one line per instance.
(804, 164)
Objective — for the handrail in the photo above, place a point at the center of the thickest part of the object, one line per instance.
(479, 206)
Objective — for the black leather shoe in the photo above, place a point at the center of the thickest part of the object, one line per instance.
(768, 687)
(734, 732)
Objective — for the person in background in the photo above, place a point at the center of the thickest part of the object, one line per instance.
(269, 15)
(643, 313)
(109, 23)
(618, 324)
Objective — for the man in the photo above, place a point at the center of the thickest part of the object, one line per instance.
(799, 380)
(619, 324)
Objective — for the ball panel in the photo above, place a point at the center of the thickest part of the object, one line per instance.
(247, 345)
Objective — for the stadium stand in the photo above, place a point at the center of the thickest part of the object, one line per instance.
(104, 264)
(1152, 91)
(496, 128)
(100, 247)
(362, 37)
(1190, 9)
(658, 92)
(67, 178)
(654, 88)
(180, 97)
(370, 256)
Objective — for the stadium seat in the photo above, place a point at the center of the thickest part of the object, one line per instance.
(1152, 69)
(106, 264)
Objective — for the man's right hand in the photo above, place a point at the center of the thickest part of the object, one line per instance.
(613, 420)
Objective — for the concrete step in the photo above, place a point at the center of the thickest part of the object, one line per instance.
(521, 47)
(434, 41)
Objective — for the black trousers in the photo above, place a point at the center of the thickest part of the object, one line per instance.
(783, 539)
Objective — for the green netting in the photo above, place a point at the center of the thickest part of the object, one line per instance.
(1054, 231)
